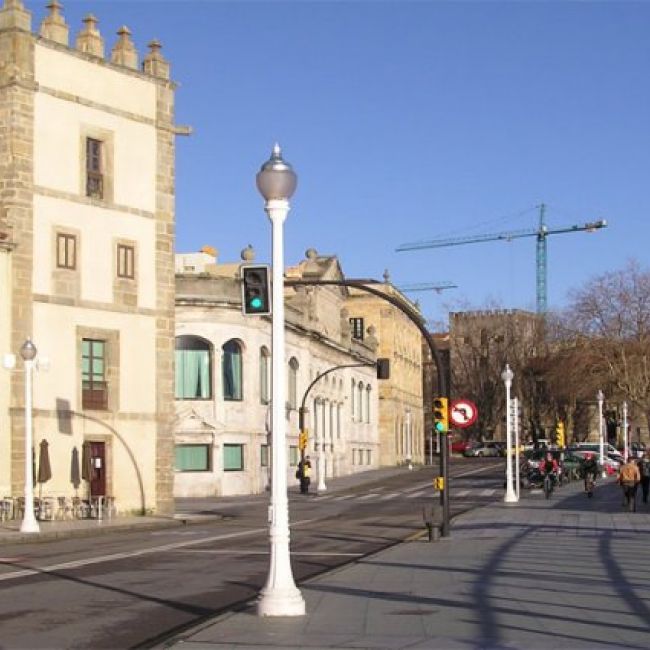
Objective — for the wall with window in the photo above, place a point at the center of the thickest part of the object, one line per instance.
(5, 377)
(95, 288)
(238, 412)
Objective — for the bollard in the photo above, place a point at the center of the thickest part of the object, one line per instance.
(432, 519)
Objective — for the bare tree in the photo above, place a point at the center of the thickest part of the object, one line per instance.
(610, 317)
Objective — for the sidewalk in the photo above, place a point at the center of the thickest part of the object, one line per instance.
(191, 510)
(568, 572)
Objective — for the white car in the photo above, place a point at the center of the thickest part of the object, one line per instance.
(611, 465)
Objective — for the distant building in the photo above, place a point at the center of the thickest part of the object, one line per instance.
(86, 257)
(480, 344)
(401, 425)
(223, 380)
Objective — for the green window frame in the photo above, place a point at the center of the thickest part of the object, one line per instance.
(192, 458)
(231, 367)
(264, 456)
(233, 457)
(93, 374)
(193, 370)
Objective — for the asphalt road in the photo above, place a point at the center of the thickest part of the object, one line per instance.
(134, 590)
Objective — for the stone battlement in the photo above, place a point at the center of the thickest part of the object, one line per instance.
(13, 15)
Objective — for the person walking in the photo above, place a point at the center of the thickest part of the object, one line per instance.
(644, 470)
(304, 474)
(629, 478)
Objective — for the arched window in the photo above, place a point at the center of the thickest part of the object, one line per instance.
(265, 375)
(193, 374)
(231, 367)
(293, 383)
(368, 403)
(359, 402)
(353, 397)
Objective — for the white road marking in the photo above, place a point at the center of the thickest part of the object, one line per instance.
(421, 493)
(462, 493)
(75, 564)
(234, 552)
(487, 493)
(386, 497)
(368, 496)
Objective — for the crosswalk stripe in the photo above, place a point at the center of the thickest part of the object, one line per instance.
(462, 493)
(363, 497)
(386, 497)
(487, 493)
(421, 493)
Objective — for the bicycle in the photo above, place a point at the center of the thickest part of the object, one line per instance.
(548, 485)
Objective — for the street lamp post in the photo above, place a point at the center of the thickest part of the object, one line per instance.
(409, 440)
(319, 433)
(510, 496)
(626, 442)
(276, 182)
(601, 441)
(29, 524)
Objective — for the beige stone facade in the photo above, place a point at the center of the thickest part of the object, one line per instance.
(222, 431)
(401, 417)
(88, 169)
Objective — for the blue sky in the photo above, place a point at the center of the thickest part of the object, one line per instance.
(410, 121)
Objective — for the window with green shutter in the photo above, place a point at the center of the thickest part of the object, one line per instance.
(233, 458)
(192, 458)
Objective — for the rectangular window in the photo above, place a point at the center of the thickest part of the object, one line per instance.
(192, 458)
(264, 455)
(94, 393)
(66, 251)
(233, 458)
(125, 261)
(94, 169)
(294, 456)
(357, 328)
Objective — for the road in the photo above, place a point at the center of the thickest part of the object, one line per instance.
(134, 590)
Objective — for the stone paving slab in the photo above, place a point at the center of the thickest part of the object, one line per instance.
(561, 573)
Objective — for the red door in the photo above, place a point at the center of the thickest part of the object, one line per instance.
(98, 465)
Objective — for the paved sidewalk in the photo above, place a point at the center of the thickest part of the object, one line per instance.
(568, 572)
(188, 511)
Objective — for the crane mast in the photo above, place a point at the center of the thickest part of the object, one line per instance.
(541, 259)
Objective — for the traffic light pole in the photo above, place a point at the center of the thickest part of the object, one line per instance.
(303, 410)
(416, 318)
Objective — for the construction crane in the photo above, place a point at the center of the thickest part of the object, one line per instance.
(541, 232)
(427, 286)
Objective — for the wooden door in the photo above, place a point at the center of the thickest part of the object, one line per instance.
(98, 465)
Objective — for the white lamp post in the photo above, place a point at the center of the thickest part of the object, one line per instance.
(626, 442)
(510, 496)
(276, 182)
(601, 441)
(319, 430)
(29, 524)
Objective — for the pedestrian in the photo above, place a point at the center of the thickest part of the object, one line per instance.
(644, 470)
(629, 478)
(303, 474)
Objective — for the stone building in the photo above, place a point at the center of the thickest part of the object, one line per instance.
(401, 425)
(87, 195)
(223, 380)
(481, 343)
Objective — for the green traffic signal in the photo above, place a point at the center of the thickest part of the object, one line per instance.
(256, 296)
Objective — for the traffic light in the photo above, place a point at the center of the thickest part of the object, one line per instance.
(441, 414)
(255, 299)
(302, 440)
(560, 439)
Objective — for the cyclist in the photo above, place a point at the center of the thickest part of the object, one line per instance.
(549, 467)
(590, 471)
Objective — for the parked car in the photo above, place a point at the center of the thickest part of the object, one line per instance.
(482, 449)
(459, 446)
(594, 448)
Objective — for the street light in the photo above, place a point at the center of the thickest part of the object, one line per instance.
(409, 441)
(510, 496)
(29, 524)
(319, 432)
(276, 182)
(626, 442)
(601, 441)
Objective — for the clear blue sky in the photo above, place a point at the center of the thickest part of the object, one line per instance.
(408, 121)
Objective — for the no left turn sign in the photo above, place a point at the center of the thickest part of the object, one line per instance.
(463, 413)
